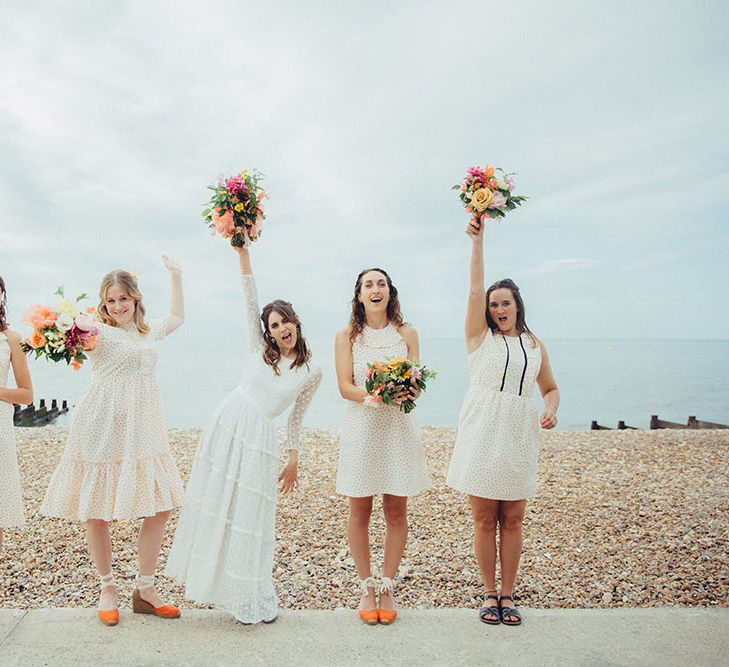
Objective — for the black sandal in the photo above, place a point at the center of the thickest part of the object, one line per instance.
(508, 611)
(492, 610)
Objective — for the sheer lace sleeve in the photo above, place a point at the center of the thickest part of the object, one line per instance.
(253, 312)
(300, 407)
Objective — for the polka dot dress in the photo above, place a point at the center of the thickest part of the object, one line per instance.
(380, 450)
(11, 494)
(117, 463)
(497, 445)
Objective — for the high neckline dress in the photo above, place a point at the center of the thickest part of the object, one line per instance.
(497, 445)
(117, 463)
(380, 449)
(224, 545)
(11, 492)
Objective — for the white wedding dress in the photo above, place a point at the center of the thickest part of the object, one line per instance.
(224, 545)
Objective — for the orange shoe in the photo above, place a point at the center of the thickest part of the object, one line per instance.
(387, 616)
(108, 616)
(140, 606)
(368, 616)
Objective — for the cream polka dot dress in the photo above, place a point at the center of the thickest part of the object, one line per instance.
(497, 445)
(117, 463)
(11, 494)
(380, 450)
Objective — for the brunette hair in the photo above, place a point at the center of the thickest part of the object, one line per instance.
(271, 353)
(521, 325)
(357, 318)
(3, 303)
(129, 283)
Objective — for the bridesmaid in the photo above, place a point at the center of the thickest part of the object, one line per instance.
(117, 463)
(11, 494)
(226, 536)
(380, 448)
(497, 446)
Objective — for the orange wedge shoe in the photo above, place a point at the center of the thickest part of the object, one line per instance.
(368, 616)
(387, 616)
(108, 616)
(140, 606)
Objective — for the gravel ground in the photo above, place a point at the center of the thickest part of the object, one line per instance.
(622, 518)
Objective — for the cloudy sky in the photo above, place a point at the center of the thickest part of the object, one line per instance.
(114, 116)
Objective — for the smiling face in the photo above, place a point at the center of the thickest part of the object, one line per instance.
(374, 293)
(119, 304)
(503, 310)
(283, 332)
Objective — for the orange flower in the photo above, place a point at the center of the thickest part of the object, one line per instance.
(75, 364)
(37, 340)
(40, 316)
(492, 184)
(488, 172)
(90, 343)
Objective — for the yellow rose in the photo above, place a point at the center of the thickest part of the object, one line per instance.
(239, 207)
(481, 199)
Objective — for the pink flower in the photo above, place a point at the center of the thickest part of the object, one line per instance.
(415, 373)
(509, 184)
(234, 184)
(499, 200)
(474, 173)
(224, 224)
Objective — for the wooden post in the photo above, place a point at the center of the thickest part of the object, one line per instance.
(692, 423)
(654, 422)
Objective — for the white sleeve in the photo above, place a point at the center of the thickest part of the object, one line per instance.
(301, 405)
(253, 312)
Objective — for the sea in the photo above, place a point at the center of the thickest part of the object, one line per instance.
(601, 380)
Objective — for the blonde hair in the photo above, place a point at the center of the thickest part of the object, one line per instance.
(129, 283)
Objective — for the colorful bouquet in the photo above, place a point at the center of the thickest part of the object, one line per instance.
(394, 376)
(485, 195)
(63, 332)
(235, 210)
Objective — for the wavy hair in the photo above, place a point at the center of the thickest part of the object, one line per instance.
(357, 317)
(127, 281)
(521, 325)
(271, 353)
(3, 305)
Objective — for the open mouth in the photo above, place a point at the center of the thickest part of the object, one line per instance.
(376, 299)
(286, 338)
(502, 319)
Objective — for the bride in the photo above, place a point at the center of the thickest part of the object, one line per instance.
(224, 545)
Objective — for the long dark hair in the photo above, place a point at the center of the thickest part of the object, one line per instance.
(3, 303)
(271, 353)
(521, 325)
(357, 318)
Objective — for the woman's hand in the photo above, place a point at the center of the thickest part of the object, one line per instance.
(172, 265)
(474, 228)
(289, 477)
(549, 418)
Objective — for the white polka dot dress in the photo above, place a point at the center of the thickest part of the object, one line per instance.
(117, 463)
(11, 493)
(497, 444)
(380, 449)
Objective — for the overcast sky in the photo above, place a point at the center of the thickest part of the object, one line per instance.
(114, 116)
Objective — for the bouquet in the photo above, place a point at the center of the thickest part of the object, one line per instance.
(394, 376)
(235, 210)
(63, 332)
(485, 195)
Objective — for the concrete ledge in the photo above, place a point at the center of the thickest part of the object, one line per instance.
(645, 636)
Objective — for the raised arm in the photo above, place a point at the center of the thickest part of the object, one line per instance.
(176, 316)
(23, 395)
(253, 312)
(476, 306)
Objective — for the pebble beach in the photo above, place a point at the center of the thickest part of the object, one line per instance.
(621, 519)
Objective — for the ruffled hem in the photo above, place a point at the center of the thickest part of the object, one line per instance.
(113, 491)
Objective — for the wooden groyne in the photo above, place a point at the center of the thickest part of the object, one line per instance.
(38, 416)
(691, 423)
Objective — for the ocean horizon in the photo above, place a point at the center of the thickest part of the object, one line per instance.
(603, 379)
